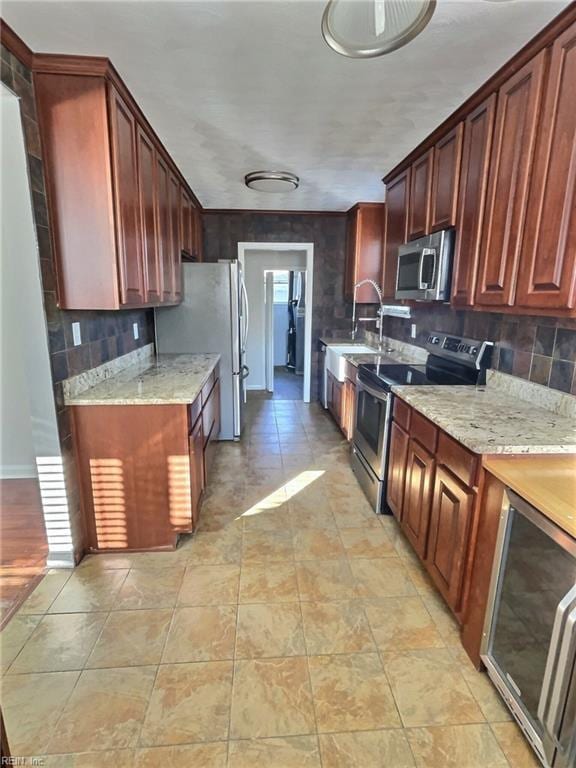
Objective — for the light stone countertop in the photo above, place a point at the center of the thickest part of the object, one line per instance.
(489, 421)
(162, 380)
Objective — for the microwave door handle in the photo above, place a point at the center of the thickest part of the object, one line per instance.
(562, 650)
(426, 252)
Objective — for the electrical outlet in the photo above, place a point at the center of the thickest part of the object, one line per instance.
(136, 330)
(76, 334)
(412, 330)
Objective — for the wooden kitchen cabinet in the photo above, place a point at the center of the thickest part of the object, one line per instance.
(108, 201)
(334, 397)
(547, 274)
(148, 194)
(517, 116)
(398, 458)
(348, 408)
(396, 229)
(478, 132)
(420, 196)
(415, 519)
(364, 242)
(197, 470)
(445, 178)
(451, 525)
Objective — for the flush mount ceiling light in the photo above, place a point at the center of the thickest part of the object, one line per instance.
(363, 29)
(271, 181)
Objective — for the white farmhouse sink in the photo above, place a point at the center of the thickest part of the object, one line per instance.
(335, 362)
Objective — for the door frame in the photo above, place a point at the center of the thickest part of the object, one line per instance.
(308, 249)
(269, 330)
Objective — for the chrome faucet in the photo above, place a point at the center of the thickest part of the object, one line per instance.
(380, 314)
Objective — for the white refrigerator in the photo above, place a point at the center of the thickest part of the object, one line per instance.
(213, 317)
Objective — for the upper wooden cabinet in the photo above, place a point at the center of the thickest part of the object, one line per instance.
(111, 190)
(396, 228)
(445, 176)
(547, 275)
(478, 130)
(419, 201)
(510, 165)
(365, 227)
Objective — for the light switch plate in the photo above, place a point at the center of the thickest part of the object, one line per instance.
(412, 330)
(136, 330)
(76, 334)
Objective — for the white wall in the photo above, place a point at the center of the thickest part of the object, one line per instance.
(28, 426)
(281, 321)
(256, 263)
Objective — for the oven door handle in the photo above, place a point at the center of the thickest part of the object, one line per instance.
(560, 654)
(378, 394)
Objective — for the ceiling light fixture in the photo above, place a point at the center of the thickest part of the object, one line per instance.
(271, 181)
(363, 29)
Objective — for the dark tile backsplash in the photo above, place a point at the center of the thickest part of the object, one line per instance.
(223, 231)
(105, 335)
(541, 349)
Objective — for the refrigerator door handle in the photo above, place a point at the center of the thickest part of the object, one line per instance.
(246, 314)
(245, 372)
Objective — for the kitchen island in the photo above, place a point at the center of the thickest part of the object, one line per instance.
(144, 440)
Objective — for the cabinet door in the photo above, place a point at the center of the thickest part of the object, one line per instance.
(147, 194)
(478, 131)
(337, 399)
(547, 276)
(176, 225)
(396, 229)
(163, 217)
(417, 496)
(198, 234)
(364, 250)
(186, 223)
(196, 445)
(445, 178)
(420, 194)
(128, 230)
(450, 531)
(510, 164)
(397, 469)
(350, 263)
(330, 392)
(350, 408)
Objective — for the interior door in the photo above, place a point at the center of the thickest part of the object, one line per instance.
(269, 330)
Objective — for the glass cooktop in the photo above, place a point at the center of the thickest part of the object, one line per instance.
(385, 376)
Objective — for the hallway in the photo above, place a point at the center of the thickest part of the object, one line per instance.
(287, 385)
(294, 628)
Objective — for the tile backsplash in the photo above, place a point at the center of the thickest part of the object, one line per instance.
(539, 349)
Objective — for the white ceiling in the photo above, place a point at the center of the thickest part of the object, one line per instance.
(237, 86)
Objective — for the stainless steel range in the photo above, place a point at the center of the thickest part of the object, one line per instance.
(451, 361)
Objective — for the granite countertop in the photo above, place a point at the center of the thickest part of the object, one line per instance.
(489, 421)
(162, 380)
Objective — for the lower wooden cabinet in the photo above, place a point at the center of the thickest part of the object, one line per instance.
(334, 396)
(143, 470)
(451, 522)
(397, 469)
(341, 402)
(417, 495)
(348, 409)
(432, 493)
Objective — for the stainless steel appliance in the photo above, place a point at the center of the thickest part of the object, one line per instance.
(451, 360)
(425, 267)
(529, 641)
(213, 317)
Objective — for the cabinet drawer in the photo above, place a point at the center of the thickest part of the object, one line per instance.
(423, 431)
(207, 388)
(459, 460)
(194, 410)
(401, 413)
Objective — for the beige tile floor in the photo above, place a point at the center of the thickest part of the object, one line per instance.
(295, 629)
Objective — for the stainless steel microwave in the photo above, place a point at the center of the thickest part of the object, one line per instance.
(425, 267)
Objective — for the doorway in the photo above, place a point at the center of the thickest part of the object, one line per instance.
(285, 311)
(278, 278)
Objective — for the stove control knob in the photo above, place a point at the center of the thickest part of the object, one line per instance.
(473, 350)
(433, 340)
